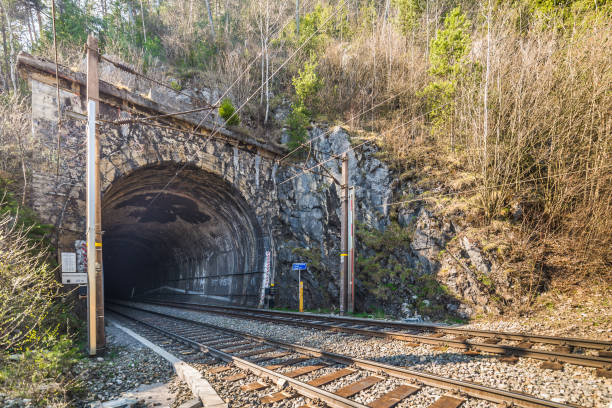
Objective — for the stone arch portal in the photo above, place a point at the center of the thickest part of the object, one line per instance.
(194, 236)
(208, 233)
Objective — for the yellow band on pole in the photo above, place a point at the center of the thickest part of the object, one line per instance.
(98, 244)
(343, 254)
(301, 297)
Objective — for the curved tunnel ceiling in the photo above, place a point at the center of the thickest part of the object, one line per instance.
(196, 235)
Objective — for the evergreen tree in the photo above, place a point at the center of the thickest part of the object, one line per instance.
(408, 14)
(72, 24)
(448, 63)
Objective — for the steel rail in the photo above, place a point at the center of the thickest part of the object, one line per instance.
(304, 389)
(535, 338)
(552, 356)
(462, 387)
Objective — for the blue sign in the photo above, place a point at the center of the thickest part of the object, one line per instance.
(299, 267)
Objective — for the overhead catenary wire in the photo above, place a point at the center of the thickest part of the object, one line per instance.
(190, 131)
(158, 125)
(209, 107)
(256, 91)
(161, 126)
(305, 144)
(334, 157)
(255, 59)
(338, 155)
(129, 70)
(164, 115)
(281, 66)
(474, 190)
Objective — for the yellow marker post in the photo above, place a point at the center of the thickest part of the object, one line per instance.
(301, 296)
(299, 267)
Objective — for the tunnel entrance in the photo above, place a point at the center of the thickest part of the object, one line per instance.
(194, 237)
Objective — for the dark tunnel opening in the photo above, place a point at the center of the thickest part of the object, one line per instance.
(194, 237)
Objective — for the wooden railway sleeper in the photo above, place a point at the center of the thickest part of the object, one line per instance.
(552, 364)
(473, 347)
(518, 336)
(473, 390)
(604, 372)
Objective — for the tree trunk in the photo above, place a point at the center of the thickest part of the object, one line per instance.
(3, 85)
(227, 18)
(11, 51)
(23, 167)
(35, 32)
(386, 10)
(267, 62)
(267, 82)
(144, 30)
(486, 97)
(30, 35)
(7, 65)
(427, 27)
(210, 19)
(297, 17)
(263, 63)
(40, 23)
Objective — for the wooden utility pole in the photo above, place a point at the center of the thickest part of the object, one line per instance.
(95, 294)
(351, 251)
(344, 237)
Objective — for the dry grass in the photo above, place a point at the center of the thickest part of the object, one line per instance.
(36, 327)
(28, 289)
(15, 138)
(543, 164)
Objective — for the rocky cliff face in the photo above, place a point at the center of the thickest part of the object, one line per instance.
(411, 261)
(405, 264)
(310, 214)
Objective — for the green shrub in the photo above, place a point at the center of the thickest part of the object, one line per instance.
(312, 257)
(306, 85)
(316, 29)
(448, 65)
(24, 218)
(228, 112)
(72, 24)
(384, 273)
(28, 290)
(37, 325)
(176, 86)
(42, 374)
(408, 13)
(297, 122)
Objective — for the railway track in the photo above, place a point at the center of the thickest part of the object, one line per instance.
(582, 352)
(309, 371)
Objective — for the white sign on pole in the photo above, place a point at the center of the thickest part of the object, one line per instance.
(69, 262)
(74, 278)
(69, 270)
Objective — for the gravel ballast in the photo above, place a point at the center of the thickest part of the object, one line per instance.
(127, 368)
(572, 385)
